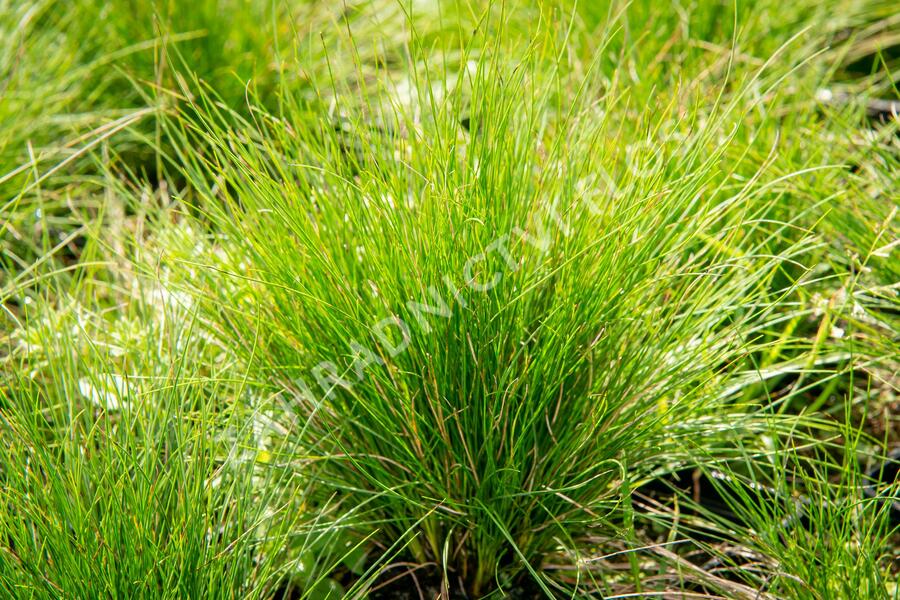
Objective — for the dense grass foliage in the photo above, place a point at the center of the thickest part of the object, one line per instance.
(479, 324)
(444, 299)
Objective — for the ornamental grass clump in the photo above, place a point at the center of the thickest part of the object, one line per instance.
(497, 309)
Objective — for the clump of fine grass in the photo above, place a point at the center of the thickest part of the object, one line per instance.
(499, 312)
